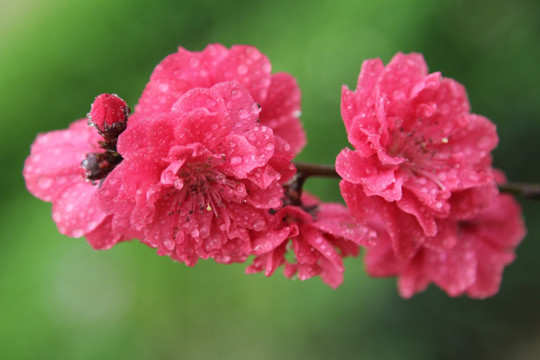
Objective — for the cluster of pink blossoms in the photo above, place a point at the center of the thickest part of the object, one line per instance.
(203, 169)
(421, 175)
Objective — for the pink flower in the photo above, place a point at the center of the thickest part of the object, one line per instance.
(419, 154)
(309, 240)
(53, 173)
(484, 245)
(198, 179)
(277, 94)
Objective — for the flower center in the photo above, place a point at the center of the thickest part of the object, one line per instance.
(199, 187)
(422, 155)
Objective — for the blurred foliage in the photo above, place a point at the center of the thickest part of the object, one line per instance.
(60, 299)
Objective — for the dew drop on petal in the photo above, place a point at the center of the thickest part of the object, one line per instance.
(78, 233)
(163, 87)
(179, 184)
(44, 182)
(168, 244)
(254, 54)
(242, 69)
(194, 62)
(259, 225)
(236, 160)
(57, 217)
(243, 114)
(275, 203)
(485, 142)
(204, 231)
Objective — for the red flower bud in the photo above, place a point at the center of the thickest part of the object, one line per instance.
(109, 115)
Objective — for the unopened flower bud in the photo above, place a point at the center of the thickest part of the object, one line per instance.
(109, 115)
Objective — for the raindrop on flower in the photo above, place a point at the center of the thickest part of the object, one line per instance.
(236, 160)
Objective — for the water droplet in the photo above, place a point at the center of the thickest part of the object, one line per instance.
(78, 233)
(179, 184)
(168, 244)
(399, 95)
(204, 231)
(44, 182)
(275, 203)
(194, 233)
(163, 87)
(242, 69)
(253, 53)
(259, 225)
(485, 142)
(269, 146)
(194, 62)
(57, 217)
(236, 160)
(215, 126)
(243, 114)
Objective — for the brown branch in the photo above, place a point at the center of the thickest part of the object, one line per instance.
(528, 191)
(305, 170)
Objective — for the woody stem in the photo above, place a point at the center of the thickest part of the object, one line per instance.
(305, 170)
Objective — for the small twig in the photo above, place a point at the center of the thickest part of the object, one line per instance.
(529, 191)
(305, 170)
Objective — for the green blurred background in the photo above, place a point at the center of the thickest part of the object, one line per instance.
(59, 299)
